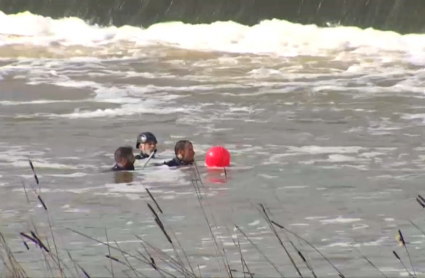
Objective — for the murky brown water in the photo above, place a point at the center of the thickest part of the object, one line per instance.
(333, 145)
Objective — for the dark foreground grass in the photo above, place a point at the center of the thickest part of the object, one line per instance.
(152, 261)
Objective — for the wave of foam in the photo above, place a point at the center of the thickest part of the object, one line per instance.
(132, 99)
(17, 157)
(340, 220)
(42, 101)
(267, 37)
(126, 110)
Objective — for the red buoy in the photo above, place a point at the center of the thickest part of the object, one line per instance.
(217, 156)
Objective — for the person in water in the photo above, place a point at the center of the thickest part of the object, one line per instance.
(124, 159)
(146, 143)
(184, 154)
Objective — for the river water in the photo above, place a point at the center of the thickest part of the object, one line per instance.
(325, 128)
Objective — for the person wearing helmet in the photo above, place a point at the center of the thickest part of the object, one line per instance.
(146, 143)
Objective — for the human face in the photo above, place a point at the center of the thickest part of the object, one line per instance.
(124, 162)
(189, 153)
(132, 159)
(147, 147)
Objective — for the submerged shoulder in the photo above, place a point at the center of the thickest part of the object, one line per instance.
(170, 163)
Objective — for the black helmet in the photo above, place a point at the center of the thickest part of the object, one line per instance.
(145, 137)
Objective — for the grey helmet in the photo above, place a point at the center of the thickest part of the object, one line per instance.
(145, 137)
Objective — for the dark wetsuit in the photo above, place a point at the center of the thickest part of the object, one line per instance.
(175, 162)
(143, 155)
(117, 168)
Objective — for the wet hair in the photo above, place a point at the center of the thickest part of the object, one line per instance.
(181, 145)
(123, 152)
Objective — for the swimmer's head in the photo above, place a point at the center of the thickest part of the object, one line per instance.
(124, 157)
(184, 151)
(146, 143)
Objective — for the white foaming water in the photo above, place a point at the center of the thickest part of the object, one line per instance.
(376, 52)
(126, 110)
(324, 150)
(217, 94)
(13, 103)
(340, 219)
(268, 37)
(133, 99)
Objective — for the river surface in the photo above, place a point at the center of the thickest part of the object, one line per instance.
(325, 128)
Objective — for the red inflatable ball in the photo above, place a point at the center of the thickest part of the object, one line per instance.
(217, 156)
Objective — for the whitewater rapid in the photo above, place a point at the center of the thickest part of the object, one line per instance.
(269, 37)
(325, 125)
